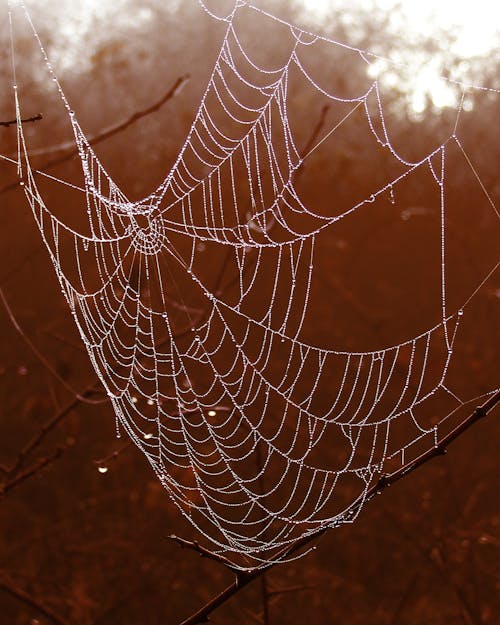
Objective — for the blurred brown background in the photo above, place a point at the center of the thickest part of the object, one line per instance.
(91, 548)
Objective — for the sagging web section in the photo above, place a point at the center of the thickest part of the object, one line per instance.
(258, 436)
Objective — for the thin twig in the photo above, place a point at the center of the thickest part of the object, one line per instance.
(103, 462)
(204, 552)
(277, 592)
(309, 146)
(436, 558)
(50, 425)
(23, 596)
(264, 587)
(245, 577)
(330, 132)
(35, 468)
(174, 90)
(80, 397)
(109, 132)
(468, 612)
(34, 348)
(13, 122)
(396, 616)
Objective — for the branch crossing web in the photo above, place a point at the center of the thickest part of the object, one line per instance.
(259, 436)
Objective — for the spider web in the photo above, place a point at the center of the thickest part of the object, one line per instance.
(258, 435)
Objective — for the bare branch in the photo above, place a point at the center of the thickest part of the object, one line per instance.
(253, 616)
(50, 425)
(204, 552)
(35, 468)
(109, 132)
(33, 347)
(14, 122)
(311, 142)
(245, 577)
(103, 462)
(174, 90)
(264, 587)
(23, 596)
(436, 557)
(396, 616)
(276, 592)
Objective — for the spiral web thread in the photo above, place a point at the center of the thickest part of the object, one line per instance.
(222, 394)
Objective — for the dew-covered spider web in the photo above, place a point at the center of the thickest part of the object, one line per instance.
(259, 435)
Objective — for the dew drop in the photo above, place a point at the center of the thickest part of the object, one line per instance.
(392, 199)
(103, 469)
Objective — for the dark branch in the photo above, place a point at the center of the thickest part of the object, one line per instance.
(276, 592)
(103, 462)
(266, 595)
(245, 577)
(436, 557)
(49, 426)
(255, 617)
(311, 141)
(14, 122)
(174, 90)
(23, 596)
(31, 345)
(106, 134)
(205, 553)
(35, 468)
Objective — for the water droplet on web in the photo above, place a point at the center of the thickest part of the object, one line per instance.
(392, 199)
(225, 324)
